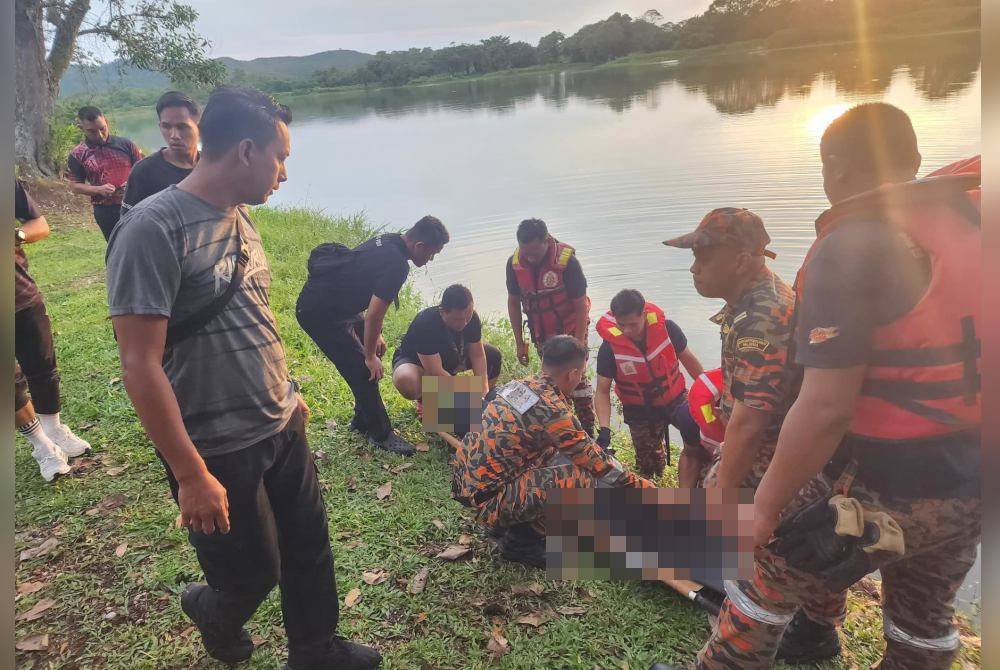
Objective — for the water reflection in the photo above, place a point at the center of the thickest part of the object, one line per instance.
(939, 68)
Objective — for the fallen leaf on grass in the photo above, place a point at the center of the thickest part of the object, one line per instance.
(383, 491)
(351, 484)
(44, 548)
(438, 524)
(465, 539)
(111, 502)
(121, 549)
(331, 424)
(453, 552)
(178, 521)
(319, 455)
(258, 641)
(535, 619)
(524, 589)
(86, 426)
(422, 617)
(373, 577)
(29, 587)
(401, 468)
(419, 581)
(354, 544)
(353, 596)
(114, 381)
(498, 644)
(33, 643)
(572, 611)
(423, 447)
(114, 472)
(35, 612)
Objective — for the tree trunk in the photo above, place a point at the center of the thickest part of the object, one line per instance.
(34, 92)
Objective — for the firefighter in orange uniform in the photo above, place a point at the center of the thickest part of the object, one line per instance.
(545, 284)
(642, 354)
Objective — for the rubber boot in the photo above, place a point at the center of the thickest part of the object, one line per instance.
(394, 444)
(524, 544)
(806, 641)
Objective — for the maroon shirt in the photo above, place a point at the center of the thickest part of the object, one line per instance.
(108, 163)
(26, 293)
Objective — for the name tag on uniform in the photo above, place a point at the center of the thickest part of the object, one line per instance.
(519, 396)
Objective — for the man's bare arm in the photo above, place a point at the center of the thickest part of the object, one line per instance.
(477, 356)
(202, 499)
(810, 435)
(744, 438)
(691, 363)
(602, 401)
(582, 318)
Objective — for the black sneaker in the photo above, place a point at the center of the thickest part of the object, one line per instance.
(394, 444)
(220, 645)
(806, 641)
(523, 544)
(662, 666)
(341, 654)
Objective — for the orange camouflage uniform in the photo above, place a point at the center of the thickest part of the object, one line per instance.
(756, 362)
(531, 442)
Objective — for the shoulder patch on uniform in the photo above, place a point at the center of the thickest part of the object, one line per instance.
(565, 255)
(519, 396)
(740, 317)
(821, 335)
(752, 344)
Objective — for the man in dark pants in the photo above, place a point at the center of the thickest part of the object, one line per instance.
(100, 166)
(37, 415)
(216, 398)
(177, 115)
(342, 284)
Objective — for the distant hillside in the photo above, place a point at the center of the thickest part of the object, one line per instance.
(107, 76)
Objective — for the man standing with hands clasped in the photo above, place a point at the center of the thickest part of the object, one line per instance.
(205, 368)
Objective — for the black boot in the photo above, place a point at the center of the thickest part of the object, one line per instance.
(524, 544)
(221, 644)
(339, 654)
(806, 641)
(394, 444)
(662, 666)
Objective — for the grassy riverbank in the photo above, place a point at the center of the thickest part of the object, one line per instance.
(106, 594)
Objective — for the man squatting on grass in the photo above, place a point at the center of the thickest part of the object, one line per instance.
(205, 368)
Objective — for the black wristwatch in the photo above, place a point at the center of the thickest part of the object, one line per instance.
(19, 235)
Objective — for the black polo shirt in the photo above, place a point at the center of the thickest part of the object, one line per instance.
(428, 335)
(378, 267)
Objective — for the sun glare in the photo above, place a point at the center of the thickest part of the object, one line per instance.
(817, 123)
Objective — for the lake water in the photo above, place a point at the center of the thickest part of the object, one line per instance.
(616, 160)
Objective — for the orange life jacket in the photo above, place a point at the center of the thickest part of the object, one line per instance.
(651, 377)
(923, 378)
(546, 304)
(703, 399)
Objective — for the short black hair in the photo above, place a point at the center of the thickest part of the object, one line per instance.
(235, 113)
(177, 99)
(627, 302)
(89, 113)
(531, 230)
(563, 351)
(455, 296)
(430, 231)
(873, 137)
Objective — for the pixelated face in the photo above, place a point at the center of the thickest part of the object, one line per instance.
(424, 253)
(533, 252)
(633, 325)
(95, 131)
(458, 319)
(266, 165)
(179, 129)
(717, 269)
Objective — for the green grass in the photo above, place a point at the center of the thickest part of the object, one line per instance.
(626, 625)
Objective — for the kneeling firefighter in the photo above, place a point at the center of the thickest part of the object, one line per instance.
(531, 443)
(889, 413)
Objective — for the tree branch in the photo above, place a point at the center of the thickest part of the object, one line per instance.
(64, 40)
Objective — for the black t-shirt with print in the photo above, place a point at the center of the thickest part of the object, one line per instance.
(149, 176)
(428, 335)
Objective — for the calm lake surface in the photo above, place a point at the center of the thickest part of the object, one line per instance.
(616, 160)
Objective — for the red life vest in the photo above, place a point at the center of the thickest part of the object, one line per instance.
(651, 377)
(546, 304)
(923, 379)
(703, 400)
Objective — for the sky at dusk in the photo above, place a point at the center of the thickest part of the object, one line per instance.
(247, 29)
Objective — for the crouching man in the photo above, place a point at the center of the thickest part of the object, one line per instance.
(533, 442)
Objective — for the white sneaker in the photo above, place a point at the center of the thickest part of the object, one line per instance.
(51, 461)
(64, 438)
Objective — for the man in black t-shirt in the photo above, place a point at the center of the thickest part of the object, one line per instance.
(178, 117)
(344, 283)
(442, 341)
(36, 370)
